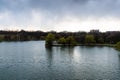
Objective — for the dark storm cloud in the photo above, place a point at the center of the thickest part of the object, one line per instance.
(78, 7)
(58, 7)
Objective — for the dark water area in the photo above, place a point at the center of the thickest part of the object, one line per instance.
(32, 61)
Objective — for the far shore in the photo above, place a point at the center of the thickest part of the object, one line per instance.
(108, 45)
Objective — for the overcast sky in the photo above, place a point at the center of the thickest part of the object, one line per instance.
(60, 15)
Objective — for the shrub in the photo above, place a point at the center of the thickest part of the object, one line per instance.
(62, 40)
(117, 46)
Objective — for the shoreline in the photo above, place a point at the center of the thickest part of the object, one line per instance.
(108, 45)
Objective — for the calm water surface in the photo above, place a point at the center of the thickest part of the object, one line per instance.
(32, 61)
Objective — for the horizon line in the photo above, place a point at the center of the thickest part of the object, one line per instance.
(18, 30)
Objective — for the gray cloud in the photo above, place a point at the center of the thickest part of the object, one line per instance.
(21, 11)
(58, 7)
(78, 7)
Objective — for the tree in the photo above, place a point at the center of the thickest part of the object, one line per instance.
(70, 40)
(49, 39)
(100, 40)
(89, 39)
(62, 40)
(1, 38)
(117, 46)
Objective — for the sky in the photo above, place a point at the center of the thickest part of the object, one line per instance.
(60, 15)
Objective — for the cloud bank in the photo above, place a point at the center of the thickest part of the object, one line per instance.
(59, 15)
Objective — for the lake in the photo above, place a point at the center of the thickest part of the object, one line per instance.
(32, 61)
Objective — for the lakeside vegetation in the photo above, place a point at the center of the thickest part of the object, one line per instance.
(94, 37)
(117, 46)
(70, 41)
(89, 40)
(109, 37)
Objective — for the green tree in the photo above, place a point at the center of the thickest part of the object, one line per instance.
(49, 39)
(70, 40)
(100, 40)
(117, 46)
(62, 40)
(1, 38)
(89, 39)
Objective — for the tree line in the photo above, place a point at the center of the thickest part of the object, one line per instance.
(81, 37)
(110, 37)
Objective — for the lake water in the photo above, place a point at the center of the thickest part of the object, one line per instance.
(32, 61)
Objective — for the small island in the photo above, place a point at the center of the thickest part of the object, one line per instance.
(51, 41)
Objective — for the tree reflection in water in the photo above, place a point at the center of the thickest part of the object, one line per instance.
(49, 54)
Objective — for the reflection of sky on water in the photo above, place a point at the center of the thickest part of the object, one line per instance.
(31, 60)
(77, 55)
